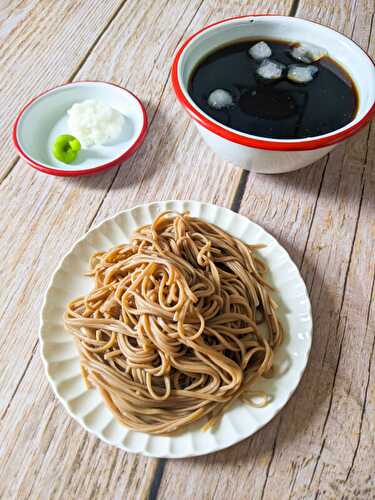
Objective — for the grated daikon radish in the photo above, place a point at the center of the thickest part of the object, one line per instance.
(301, 74)
(270, 70)
(94, 122)
(260, 51)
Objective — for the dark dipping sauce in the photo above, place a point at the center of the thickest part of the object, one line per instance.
(278, 109)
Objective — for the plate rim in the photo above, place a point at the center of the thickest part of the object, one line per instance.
(49, 169)
(169, 454)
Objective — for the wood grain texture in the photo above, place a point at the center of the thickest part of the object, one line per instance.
(71, 205)
(322, 444)
(47, 455)
(42, 44)
(338, 266)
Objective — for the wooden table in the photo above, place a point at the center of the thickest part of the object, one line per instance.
(322, 444)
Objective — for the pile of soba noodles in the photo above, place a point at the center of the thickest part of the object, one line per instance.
(170, 332)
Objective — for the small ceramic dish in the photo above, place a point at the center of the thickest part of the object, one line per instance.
(264, 155)
(45, 117)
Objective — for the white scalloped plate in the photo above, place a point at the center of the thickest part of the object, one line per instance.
(61, 359)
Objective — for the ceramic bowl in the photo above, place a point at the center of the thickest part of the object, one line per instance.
(45, 117)
(266, 155)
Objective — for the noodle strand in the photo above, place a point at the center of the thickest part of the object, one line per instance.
(173, 328)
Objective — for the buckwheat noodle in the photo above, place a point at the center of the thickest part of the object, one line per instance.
(171, 331)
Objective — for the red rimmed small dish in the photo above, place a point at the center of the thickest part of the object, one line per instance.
(45, 117)
(266, 155)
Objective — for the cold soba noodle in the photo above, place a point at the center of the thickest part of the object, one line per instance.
(170, 332)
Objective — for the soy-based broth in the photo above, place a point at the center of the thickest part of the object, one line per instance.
(280, 109)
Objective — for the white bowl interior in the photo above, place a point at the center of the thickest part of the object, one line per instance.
(344, 51)
(46, 118)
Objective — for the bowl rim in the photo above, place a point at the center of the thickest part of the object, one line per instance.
(247, 139)
(71, 173)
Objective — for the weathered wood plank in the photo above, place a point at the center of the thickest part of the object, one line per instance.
(323, 216)
(330, 403)
(70, 205)
(310, 426)
(42, 44)
(47, 455)
(346, 465)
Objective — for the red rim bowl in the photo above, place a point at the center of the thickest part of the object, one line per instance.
(246, 139)
(136, 142)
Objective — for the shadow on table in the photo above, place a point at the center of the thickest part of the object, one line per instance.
(139, 166)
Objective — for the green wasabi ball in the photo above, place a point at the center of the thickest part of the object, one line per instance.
(66, 147)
